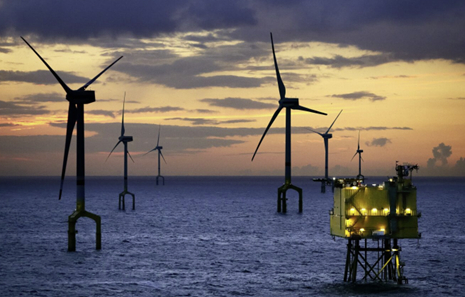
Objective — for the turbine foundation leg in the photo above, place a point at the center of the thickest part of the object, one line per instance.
(71, 235)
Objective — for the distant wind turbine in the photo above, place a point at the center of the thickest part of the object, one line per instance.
(158, 148)
(326, 136)
(288, 103)
(360, 159)
(77, 99)
(124, 139)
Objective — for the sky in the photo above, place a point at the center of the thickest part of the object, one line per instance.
(202, 72)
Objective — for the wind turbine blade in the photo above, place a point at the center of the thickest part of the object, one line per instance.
(122, 118)
(333, 122)
(299, 107)
(353, 156)
(98, 75)
(267, 128)
(358, 145)
(362, 158)
(112, 150)
(131, 157)
(315, 132)
(69, 133)
(282, 88)
(158, 141)
(149, 151)
(62, 83)
(163, 157)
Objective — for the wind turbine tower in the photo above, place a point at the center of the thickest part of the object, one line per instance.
(77, 99)
(124, 139)
(288, 104)
(326, 136)
(360, 159)
(158, 148)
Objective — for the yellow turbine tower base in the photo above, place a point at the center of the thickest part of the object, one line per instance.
(72, 220)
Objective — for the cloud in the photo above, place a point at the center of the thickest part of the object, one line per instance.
(40, 77)
(378, 142)
(106, 113)
(201, 110)
(440, 155)
(42, 97)
(359, 95)
(195, 121)
(238, 103)
(4, 50)
(161, 109)
(339, 61)
(8, 125)
(416, 30)
(202, 121)
(14, 109)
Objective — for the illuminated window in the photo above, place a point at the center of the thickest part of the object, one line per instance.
(408, 212)
(348, 223)
(386, 211)
(374, 211)
(364, 211)
(352, 211)
(362, 230)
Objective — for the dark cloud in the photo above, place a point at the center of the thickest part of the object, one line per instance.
(238, 103)
(155, 109)
(4, 50)
(236, 121)
(40, 77)
(53, 20)
(369, 128)
(359, 95)
(396, 76)
(106, 113)
(378, 142)
(41, 97)
(186, 74)
(195, 121)
(213, 122)
(8, 125)
(440, 155)
(339, 61)
(201, 110)
(15, 109)
(405, 30)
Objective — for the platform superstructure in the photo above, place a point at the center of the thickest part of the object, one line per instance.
(379, 214)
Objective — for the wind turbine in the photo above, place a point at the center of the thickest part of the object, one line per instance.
(77, 99)
(326, 136)
(289, 104)
(158, 148)
(124, 139)
(360, 159)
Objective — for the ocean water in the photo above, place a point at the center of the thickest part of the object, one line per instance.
(210, 236)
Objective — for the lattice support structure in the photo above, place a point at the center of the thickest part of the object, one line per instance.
(379, 263)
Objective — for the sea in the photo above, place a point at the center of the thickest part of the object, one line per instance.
(211, 236)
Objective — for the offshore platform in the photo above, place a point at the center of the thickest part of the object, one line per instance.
(373, 218)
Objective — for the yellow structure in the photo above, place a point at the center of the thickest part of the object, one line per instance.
(382, 213)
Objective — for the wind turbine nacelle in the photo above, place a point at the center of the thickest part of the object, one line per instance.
(125, 138)
(159, 147)
(81, 97)
(289, 102)
(359, 151)
(329, 135)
